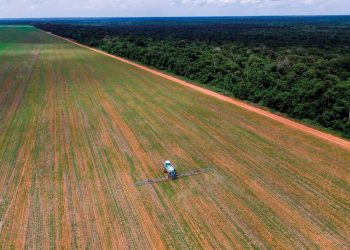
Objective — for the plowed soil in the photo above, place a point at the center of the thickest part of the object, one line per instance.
(77, 129)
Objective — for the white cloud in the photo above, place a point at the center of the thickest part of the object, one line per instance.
(217, 2)
(285, 3)
(72, 8)
(204, 2)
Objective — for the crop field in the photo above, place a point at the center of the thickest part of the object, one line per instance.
(77, 129)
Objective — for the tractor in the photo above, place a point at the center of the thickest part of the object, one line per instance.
(172, 174)
(170, 170)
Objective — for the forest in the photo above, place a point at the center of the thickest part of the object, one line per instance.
(296, 66)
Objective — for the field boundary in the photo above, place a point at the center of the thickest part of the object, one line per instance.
(298, 126)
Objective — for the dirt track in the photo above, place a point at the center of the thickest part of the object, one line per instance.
(336, 140)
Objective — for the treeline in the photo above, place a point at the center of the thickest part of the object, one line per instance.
(297, 69)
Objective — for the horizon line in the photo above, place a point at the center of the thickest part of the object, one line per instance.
(138, 17)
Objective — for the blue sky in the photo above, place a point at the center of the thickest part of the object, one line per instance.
(127, 8)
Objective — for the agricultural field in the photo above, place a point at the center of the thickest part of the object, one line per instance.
(78, 128)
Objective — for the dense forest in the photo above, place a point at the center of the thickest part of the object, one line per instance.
(297, 66)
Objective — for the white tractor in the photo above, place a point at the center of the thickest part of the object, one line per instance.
(170, 170)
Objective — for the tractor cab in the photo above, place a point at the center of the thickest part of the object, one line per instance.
(170, 170)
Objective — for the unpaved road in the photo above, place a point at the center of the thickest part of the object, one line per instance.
(331, 138)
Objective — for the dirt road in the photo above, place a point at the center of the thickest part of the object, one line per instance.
(328, 137)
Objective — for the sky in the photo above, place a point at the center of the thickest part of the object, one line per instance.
(160, 8)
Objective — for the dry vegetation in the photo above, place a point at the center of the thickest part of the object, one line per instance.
(77, 129)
